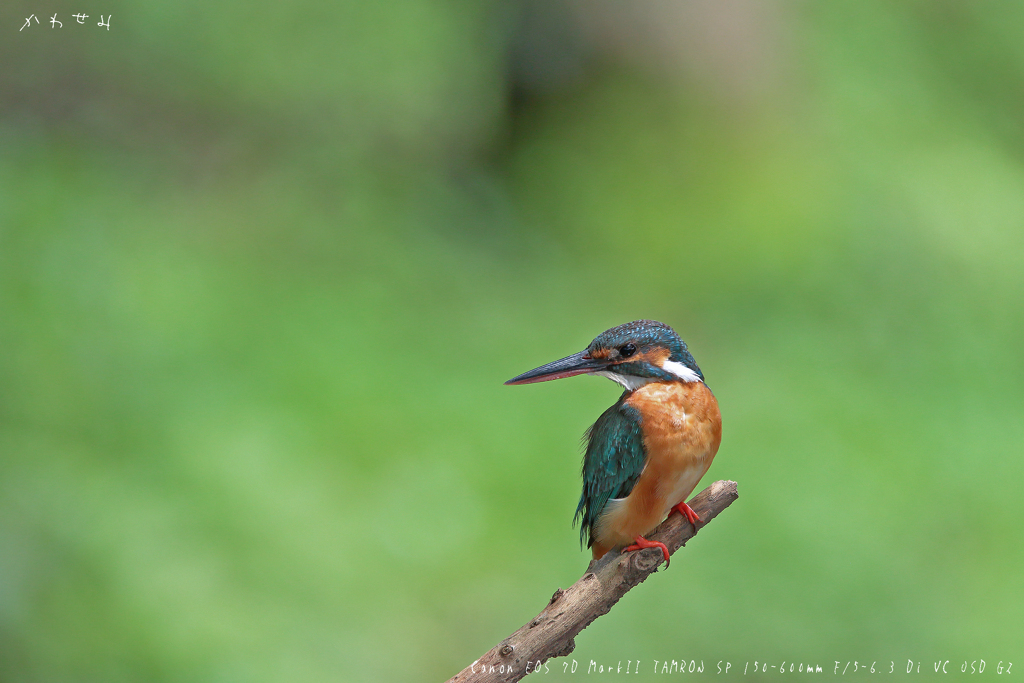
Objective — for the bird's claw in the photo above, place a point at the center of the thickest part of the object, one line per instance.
(687, 511)
(642, 543)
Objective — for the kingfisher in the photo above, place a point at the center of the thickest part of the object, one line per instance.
(646, 453)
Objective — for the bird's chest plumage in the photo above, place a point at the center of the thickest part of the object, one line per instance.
(681, 426)
(682, 429)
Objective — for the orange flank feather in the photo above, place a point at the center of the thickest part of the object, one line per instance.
(682, 430)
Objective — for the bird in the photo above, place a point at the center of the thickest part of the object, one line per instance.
(645, 454)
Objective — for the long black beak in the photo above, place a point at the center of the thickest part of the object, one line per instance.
(576, 364)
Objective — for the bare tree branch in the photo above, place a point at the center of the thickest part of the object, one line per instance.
(552, 632)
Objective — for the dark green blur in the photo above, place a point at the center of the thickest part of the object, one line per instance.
(265, 266)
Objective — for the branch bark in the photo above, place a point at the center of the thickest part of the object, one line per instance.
(552, 632)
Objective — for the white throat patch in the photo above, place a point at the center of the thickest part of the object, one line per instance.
(630, 382)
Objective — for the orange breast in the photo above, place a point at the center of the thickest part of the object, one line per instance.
(682, 431)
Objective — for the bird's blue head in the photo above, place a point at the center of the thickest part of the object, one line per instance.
(632, 354)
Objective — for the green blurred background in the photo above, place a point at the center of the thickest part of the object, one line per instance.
(264, 268)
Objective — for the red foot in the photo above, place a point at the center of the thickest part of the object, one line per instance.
(687, 511)
(642, 543)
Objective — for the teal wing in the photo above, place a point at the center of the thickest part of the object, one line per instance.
(612, 464)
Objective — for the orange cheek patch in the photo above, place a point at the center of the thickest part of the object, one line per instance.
(655, 357)
(600, 354)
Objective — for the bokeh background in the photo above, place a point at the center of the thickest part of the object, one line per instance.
(264, 268)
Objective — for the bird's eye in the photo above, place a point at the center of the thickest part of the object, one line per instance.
(627, 350)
